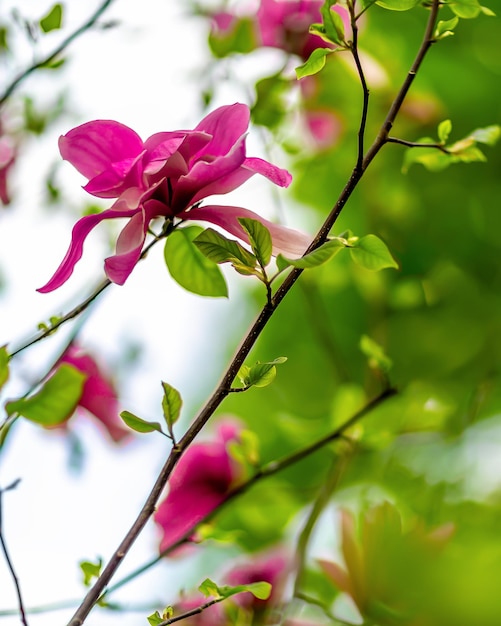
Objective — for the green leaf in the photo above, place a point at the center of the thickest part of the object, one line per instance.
(171, 404)
(271, 103)
(372, 253)
(90, 570)
(260, 590)
(467, 9)
(220, 249)
(209, 588)
(444, 130)
(375, 354)
(260, 374)
(445, 28)
(314, 64)
(189, 267)
(488, 135)
(317, 257)
(397, 5)
(4, 366)
(55, 402)
(155, 618)
(332, 22)
(53, 19)
(139, 424)
(260, 239)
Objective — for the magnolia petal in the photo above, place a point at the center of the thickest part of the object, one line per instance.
(226, 125)
(78, 235)
(92, 147)
(287, 241)
(117, 178)
(277, 175)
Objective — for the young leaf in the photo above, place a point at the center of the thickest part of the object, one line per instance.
(375, 354)
(263, 374)
(171, 404)
(372, 253)
(138, 424)
(209, 588)
(260, 239)
(155, 618)
(466, 9)
(314, 64)
(260, 590)
(53, 19)
(445, 28)
(444, 130)
(189, 267)
(488, 135)
(317, 257)
(4, 366)
(90, 570)
(219, 249)
(56, 400)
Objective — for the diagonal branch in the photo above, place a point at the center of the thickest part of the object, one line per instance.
(223, 389)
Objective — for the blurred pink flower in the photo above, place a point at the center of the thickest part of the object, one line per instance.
(199, 483)
(8, 153)
(282, 24)
(98, 394)
(324, 126)
(165, 176)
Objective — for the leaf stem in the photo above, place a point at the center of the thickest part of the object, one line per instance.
(416, 144)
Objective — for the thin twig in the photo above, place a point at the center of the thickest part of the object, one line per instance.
(417, 144)
(48, 59)
(22, 612)
(223, 389)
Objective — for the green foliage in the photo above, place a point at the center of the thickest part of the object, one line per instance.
(219, 249)
(155, 618)
(317, 257)
(260, 239)
(465, 9)
(314, 64)
(397, 5)
(445, 28)
(90, 571)
(371, 253)
(209, 588)
(56, 400)
(241, 38)
(375, 354)
(189, 267)
(462, 151)
(139, 424)
(4, 366)
(171, 405)
(270, 107)
(260, 374)
(53, 20)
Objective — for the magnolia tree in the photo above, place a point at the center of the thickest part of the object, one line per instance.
(340, 471)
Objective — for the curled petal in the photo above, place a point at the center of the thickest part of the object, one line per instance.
(226, 125)
(92, 147)
(78, 235)
(277, 175)
(287, 241)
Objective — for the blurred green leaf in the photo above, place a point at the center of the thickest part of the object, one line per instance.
(241, 38)
(189, 267)
(445, 28)
(466, 9)
(397, 5)
(271, 105)
(375, 354)
(55, 402)
(444, 130)
(4, 366)
(90, 570)
(53, 19)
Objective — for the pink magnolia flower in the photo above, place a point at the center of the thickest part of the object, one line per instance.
(99, 396)
(199, 483)
(168, 175)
